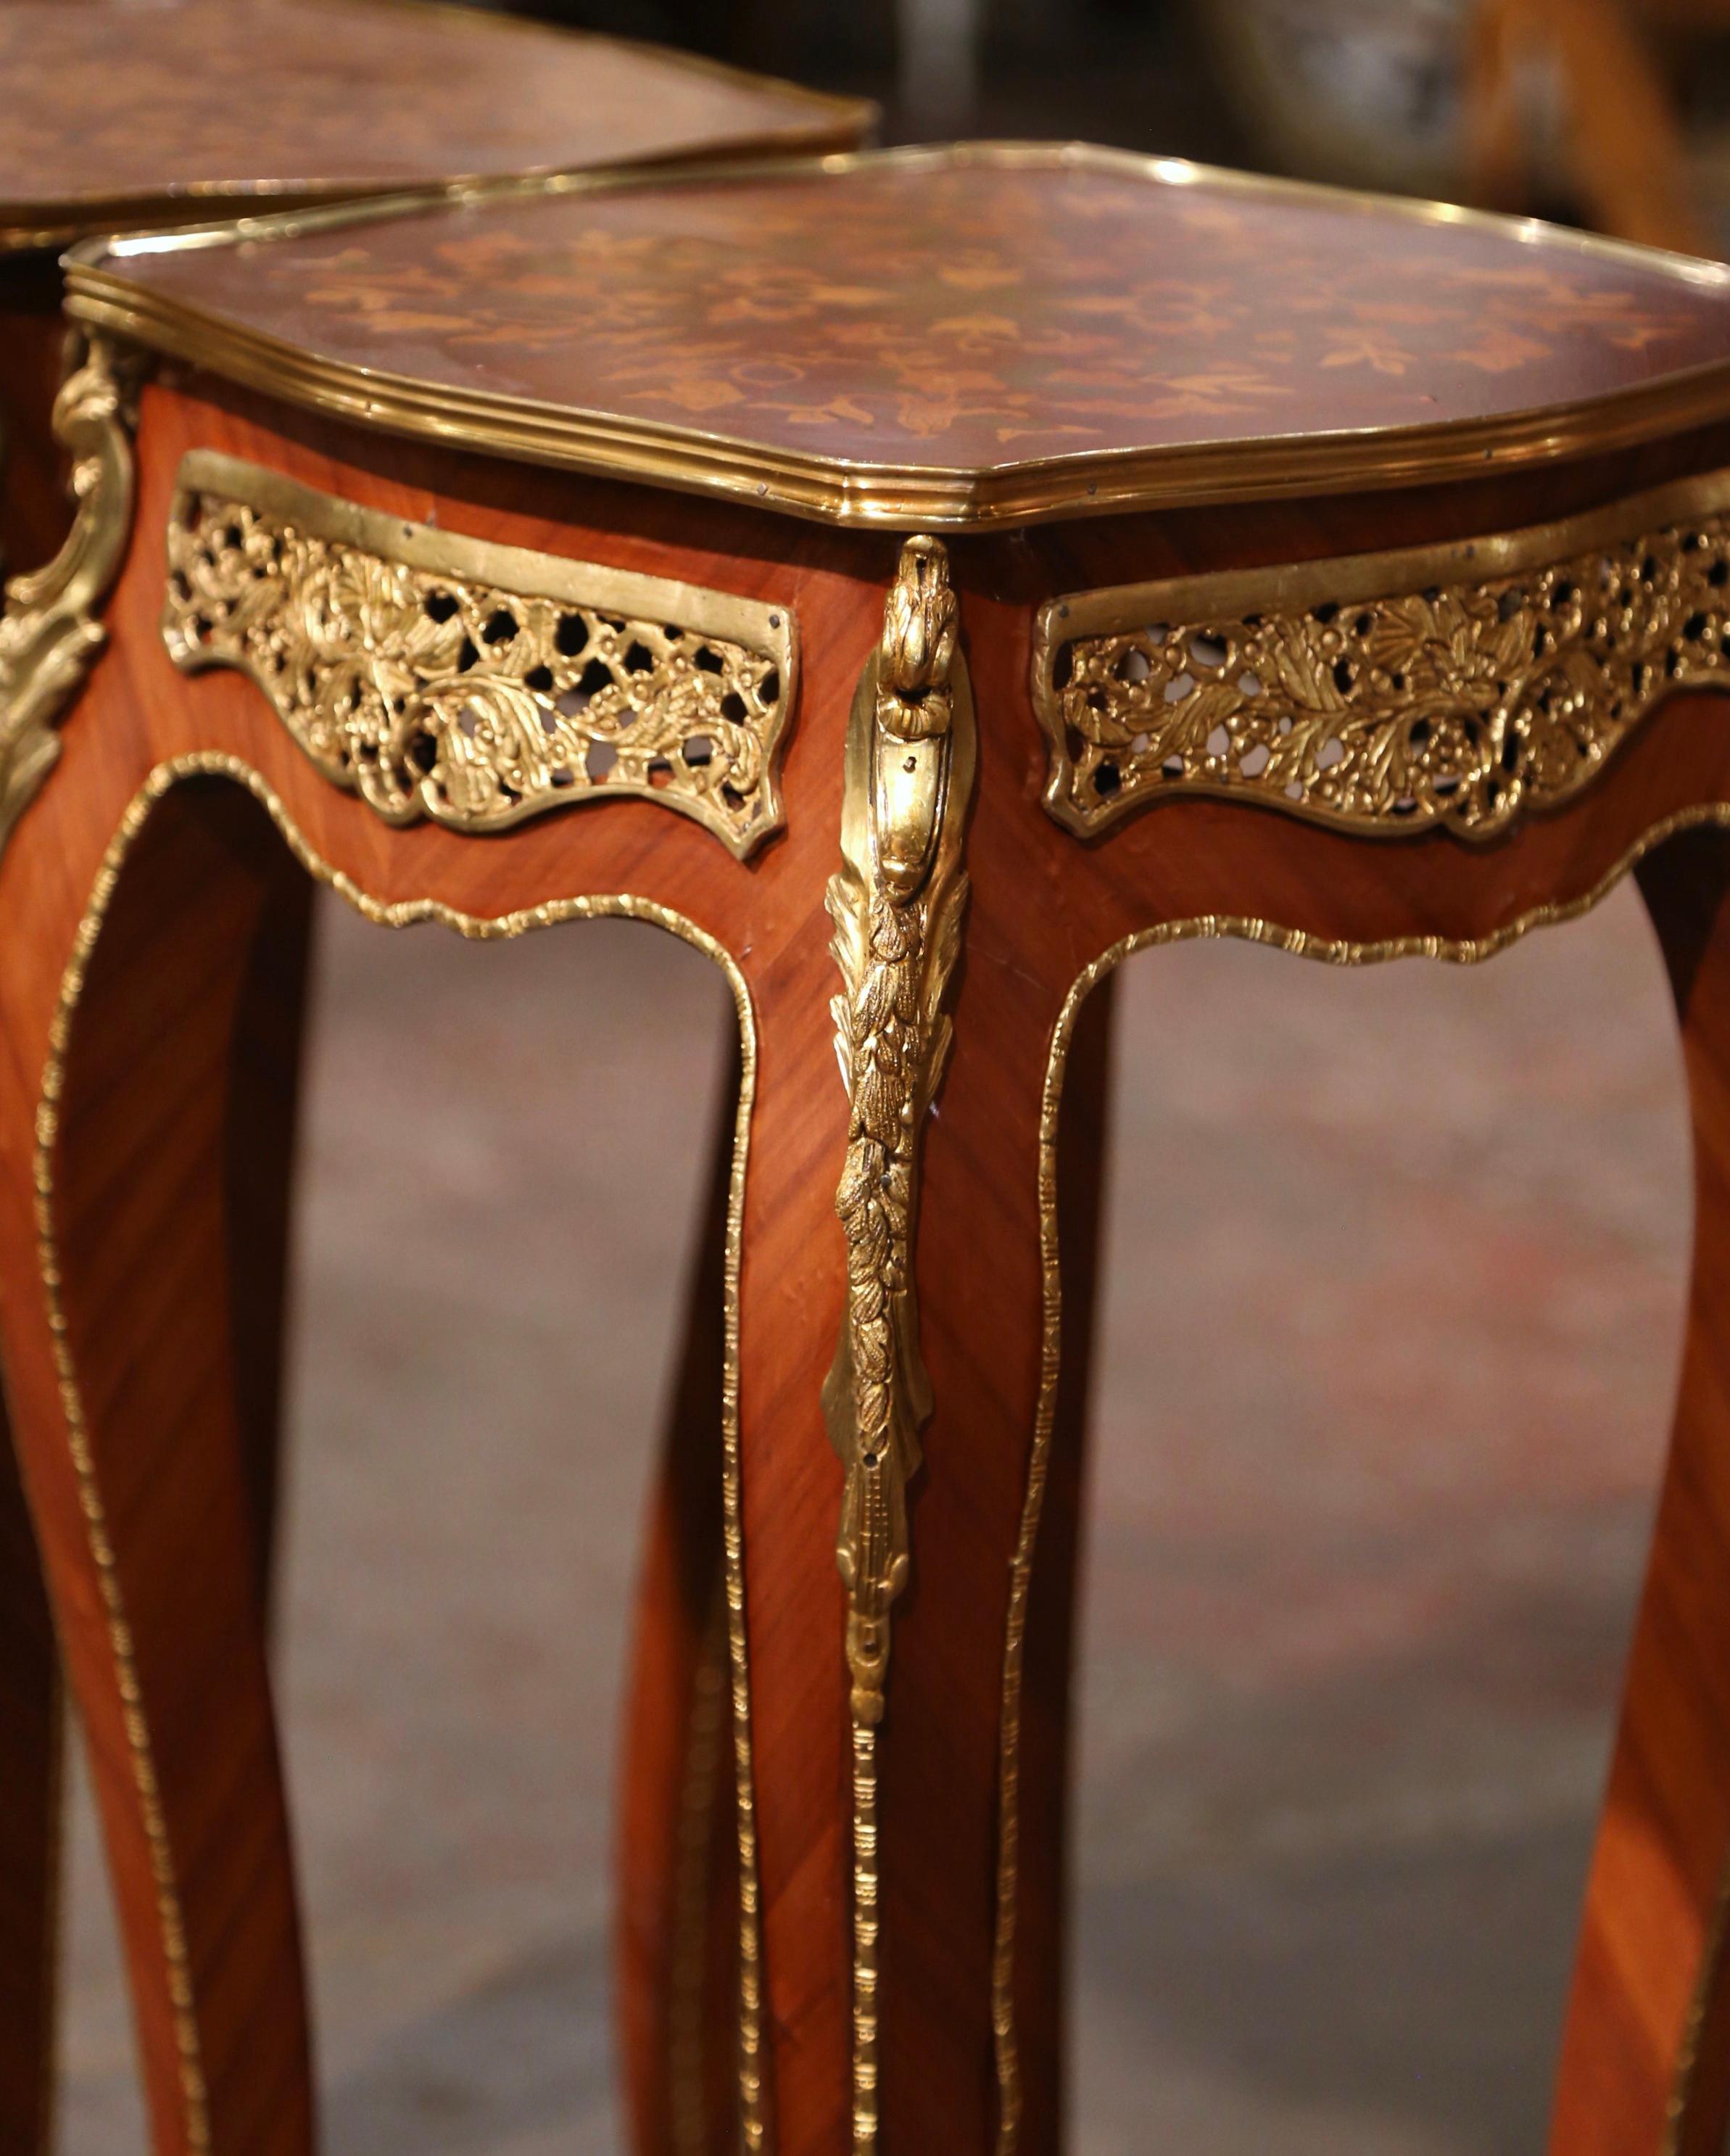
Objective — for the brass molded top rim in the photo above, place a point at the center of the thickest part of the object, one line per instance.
(34, 225)
(877, 494)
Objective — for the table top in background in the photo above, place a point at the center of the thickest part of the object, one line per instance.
(122, 112)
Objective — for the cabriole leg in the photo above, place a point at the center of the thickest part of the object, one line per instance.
(153, 1558)
(1645, 2062)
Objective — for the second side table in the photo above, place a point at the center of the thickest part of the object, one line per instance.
(119, 116)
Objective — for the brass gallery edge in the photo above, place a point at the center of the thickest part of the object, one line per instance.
(1254, 468)
(401, 913)
(474, 684)
(1456, 686)
(897, 905)
(49, 636)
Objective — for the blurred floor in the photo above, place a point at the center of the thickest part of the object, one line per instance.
(1396, 1277)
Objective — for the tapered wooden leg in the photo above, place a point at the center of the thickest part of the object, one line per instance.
(30, 1756)
(141, 1486)
(263, 1090)
(678, 1928)
(1648, 2018)
(263, 1094)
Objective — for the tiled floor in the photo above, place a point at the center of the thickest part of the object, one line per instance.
(1396, 1275)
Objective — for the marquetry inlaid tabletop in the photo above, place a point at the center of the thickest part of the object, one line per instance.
(956, 335)
(119, 111)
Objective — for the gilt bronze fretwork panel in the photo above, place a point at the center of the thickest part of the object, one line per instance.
(1457, 686)
(476, 684)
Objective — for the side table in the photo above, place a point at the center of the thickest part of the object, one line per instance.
(918, 581)
(117, 117)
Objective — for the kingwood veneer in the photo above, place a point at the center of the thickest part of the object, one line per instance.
(1061, 555)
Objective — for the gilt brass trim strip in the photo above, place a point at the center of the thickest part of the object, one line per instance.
(1457, 686)
(50, 635)
(472, 683)
(399, 914)
(1329, 950)
(867, 1936)
(897, 905)
(1253, 467)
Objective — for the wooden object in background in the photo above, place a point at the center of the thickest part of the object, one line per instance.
(1620, 136)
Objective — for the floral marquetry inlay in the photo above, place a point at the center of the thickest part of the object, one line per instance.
(476, 684)
(1456, 686)
(986, 331)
